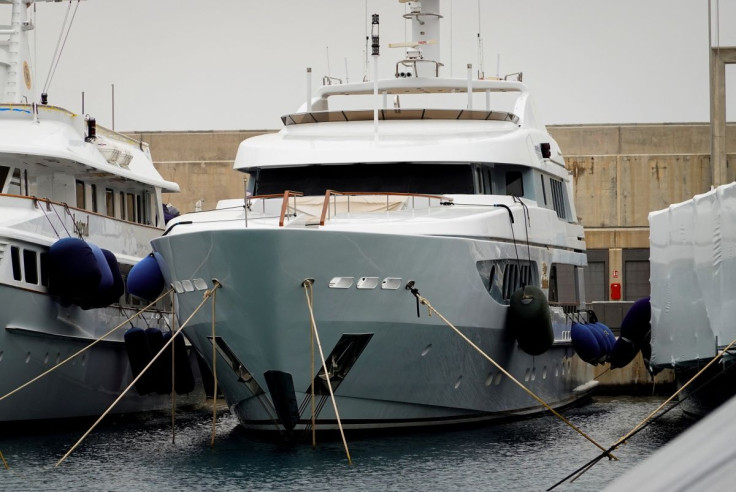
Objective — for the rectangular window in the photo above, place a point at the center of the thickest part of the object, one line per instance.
(146, 207)
(81, 202)
(93, 189)
(544, 191)
(44, 257)
(130, 207)
(138, 209)
(488, 181)
(15, 260)
(123, 212)
(30, 267)
(514, 183)
(4, 171)
(558, 197)
(109, 202)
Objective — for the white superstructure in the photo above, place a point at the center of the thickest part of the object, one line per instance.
(63, 176)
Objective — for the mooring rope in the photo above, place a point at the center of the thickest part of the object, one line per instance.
(314, 415)
(214, 368)
(423, 300)
(307, 284)
(207, 295)
(85, 348)
(4, 462)
(173, 377)
(581, 471)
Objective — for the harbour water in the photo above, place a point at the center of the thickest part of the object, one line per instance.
(527, 455)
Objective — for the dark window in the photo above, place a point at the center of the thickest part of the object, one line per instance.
(544, 190)
(487, 180)
(392, 177)
(30, 267)
(514, 183)
(139, 209)
(4, 171)
(44, 257)
(123, 212)
(110, 202)
(94, 198)
(15, 260)
(81, 199)
(558, 197)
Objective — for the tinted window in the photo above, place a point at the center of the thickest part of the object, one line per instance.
(394, 177)
(15, 260)
(30, 267)
(514, 183)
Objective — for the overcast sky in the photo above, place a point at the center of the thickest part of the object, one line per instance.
(240, 64)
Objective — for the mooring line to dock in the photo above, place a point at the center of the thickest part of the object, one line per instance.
(51, 369)
(307, 284)
(173, 373)
(422, 300)
(4, 462)
(214, 365)
(647, 420)
(604, 371)
(313, 404)
(207, 295)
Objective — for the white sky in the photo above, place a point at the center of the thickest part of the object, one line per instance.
(240, 64)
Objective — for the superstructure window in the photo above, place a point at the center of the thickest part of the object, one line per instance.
(544, 190)
(93, 189)
(44, 258)
(514, 183)
(81, 198)
(30, 266)
(15, 260)
(130, 207)
(558, 197)
(398, 177)
(517, 274)
(4, 171)
(109, 202)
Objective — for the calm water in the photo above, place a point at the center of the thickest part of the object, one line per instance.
(519, 456)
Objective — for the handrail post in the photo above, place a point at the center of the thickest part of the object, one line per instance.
(284, 205)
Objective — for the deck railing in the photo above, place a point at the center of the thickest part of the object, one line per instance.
(329, 205)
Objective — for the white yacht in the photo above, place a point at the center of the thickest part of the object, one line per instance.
(369, 189)
(62, 177)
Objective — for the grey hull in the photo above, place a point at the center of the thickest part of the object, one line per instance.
(392, 368)
(37, 333)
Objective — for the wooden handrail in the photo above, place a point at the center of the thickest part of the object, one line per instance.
(285, 203)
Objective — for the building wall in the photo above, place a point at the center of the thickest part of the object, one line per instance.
(623, 172)
(620, 172)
